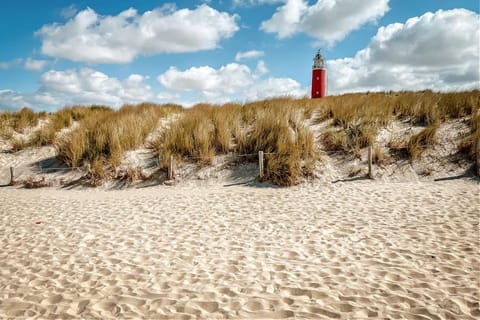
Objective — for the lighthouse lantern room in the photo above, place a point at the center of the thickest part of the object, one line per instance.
(319, 77)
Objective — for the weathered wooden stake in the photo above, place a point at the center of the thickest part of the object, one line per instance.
(170, 168)
(12, 173)
(260, 164)
(370, 174)
(478, 157)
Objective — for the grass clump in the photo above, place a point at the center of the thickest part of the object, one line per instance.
(104, 134)
(288, 144)
(201, 133)
(350, 139)
(272, 126)
(419, 142)
(55, 122)
(25, 118)
(414, 146)
(468, 144)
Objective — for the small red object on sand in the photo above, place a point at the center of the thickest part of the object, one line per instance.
(38, 222)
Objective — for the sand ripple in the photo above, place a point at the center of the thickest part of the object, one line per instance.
(343, 251)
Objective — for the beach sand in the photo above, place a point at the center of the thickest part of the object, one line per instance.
(347, 250)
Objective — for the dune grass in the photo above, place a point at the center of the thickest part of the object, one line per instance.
(468, 144)
(103, 136)
(273, 126)
(201, 132)
(18, 121)
(277, 126)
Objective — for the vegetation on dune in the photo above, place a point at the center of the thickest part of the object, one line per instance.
(468, 144)
(278, 126)
(279, 131)
(201, 133)
(103, 136)
(272, 126)
(356, 118)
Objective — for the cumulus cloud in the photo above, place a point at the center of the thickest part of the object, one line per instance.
(230, 82)
(10, 64)
(249, 3)
(69, 11)
(327, 20)
(252, 54)
(437, 50)
(85, 86)
(13, 100)
(261, 68)
(90, 37)
(34, 65)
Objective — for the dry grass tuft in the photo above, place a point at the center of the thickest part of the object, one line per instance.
(103, 135)
(32, 183)
(468, 144)
(419, 142)
(25, 118)
(132, 175)
(272, 126)
(379, 157)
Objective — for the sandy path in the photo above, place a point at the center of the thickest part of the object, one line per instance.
(347, 250)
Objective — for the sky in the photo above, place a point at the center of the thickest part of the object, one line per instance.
(59, 53)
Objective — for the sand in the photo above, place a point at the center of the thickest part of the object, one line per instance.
(347, 250)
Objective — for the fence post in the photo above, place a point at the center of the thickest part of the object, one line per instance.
(260, 164)
(478, 157)
(370, 174)
(12, 173)
(170, 168)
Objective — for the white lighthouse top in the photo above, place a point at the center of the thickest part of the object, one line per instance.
(318, 62)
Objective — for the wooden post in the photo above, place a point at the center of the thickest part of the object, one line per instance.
(478, 157)
(260, 164)
(370, 174)
(12, 173)
(170, 168)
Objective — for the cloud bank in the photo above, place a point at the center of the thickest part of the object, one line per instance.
(437, 51)
(90, 37)
(327, 20)
(233, 81)
(84, 86)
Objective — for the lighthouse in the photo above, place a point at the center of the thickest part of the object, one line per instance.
(319, 77)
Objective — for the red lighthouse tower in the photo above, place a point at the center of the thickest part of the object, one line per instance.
(319, 77)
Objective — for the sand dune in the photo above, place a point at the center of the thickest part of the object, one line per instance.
(351, 250)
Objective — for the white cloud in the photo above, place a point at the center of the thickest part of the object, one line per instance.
(232, 82)
(252, 54)
(34, 65)
(10, 64)
(327, 20)
(438, 51)
(245, 3)
(69, 11)
(287, 19)
(90, 37)
(261, 68)
(85, 86)
(211, 82)
(12, 100)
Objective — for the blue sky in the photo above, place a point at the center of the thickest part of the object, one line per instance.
(57, 53)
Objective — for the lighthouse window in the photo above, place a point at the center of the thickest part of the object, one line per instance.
(318, 78)
(317, 92)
